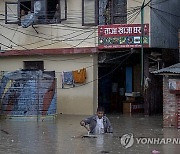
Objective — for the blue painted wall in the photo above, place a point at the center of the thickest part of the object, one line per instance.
(28, 93)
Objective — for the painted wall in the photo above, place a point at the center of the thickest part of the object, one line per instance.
(80, 100)
(28, 93)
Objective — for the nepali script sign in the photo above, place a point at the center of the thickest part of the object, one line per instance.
(122, 36)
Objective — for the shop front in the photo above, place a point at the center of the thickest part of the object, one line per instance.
(120, 67)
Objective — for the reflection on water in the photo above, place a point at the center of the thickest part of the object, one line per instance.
(28, 137)
(100, 141)
(64, 136)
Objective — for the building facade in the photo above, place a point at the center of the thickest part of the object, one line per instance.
(62, 36)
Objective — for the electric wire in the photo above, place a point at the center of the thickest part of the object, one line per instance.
(37, 36)
(58, 40)
(165, 22)
(109, 73)
(167, 25)
(134, 17)
(13, 36)
(155, 3)
(99, 78)
(164, 11)
(14, 42)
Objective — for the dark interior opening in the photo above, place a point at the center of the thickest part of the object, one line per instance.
(34, 65)
(51, 8)
(119, 85)
(26, 6)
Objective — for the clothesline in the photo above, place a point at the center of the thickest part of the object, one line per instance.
(71, 78)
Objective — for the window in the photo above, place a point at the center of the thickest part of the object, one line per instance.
(63, 4)
(25, 7)
(119, 12)
(89, 12)
(36, 11)
(104, 12)
(34, 65)
(11, 13)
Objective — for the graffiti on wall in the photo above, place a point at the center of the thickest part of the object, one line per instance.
(28, 93)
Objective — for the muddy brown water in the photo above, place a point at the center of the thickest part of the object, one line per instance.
(63, 135)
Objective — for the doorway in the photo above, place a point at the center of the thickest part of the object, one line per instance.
(117, 77)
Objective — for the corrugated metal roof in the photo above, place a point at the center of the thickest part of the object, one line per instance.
(175, 69)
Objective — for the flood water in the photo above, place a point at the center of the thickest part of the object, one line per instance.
(63, 135)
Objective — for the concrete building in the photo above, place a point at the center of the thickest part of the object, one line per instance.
(68, 40)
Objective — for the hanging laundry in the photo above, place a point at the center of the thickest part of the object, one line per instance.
(67, 78)
(79, 75)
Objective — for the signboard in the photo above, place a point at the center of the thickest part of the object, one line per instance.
(122, 36)
(174, 84)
